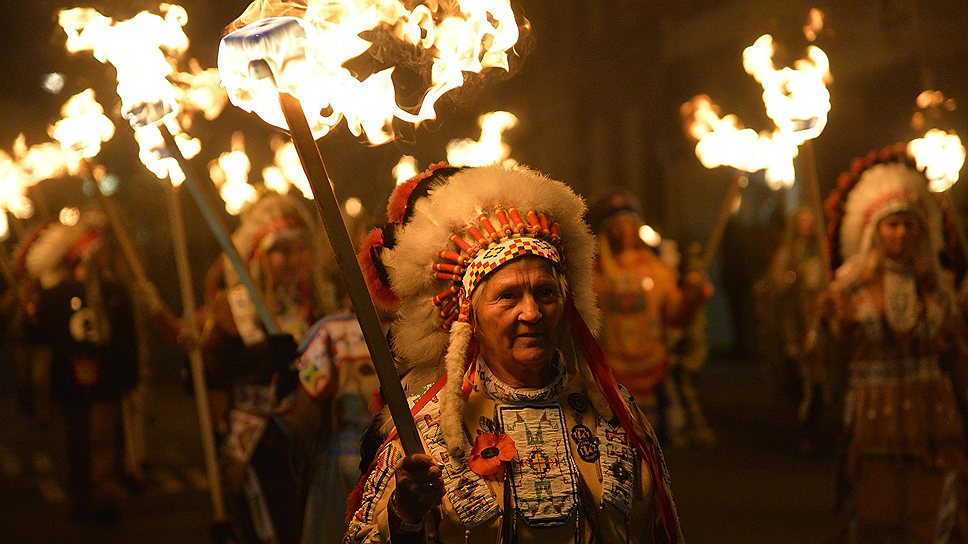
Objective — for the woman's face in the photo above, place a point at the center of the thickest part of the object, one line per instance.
(899, 235)
(516, 321)
(288, 260)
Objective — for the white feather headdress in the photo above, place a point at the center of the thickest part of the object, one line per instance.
(884, 189)
(462, 212)
(45, 258)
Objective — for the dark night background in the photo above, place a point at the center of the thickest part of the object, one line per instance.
(598, 106)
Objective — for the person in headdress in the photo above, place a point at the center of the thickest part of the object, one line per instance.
(255, 408)
(527, 436)
(640, 299)
(84, 313)
(892, 349)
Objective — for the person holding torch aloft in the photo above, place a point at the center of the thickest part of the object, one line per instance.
(248, 371)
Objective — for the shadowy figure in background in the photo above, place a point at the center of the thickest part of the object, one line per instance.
(688, 351)
(85, 314)
(257, 408)
(891, 348)
(786, 295)
(640, 299)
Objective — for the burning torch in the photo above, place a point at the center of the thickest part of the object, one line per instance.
(290, 71)
(940, 155)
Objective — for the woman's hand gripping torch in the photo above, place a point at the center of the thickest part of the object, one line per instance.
(273, 54)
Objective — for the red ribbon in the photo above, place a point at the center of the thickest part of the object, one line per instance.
(634, 429)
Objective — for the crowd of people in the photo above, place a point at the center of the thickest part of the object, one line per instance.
(548, 353)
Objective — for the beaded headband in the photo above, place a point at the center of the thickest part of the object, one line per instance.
(514, 236)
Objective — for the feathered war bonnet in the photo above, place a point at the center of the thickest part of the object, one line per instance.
(877, 185)
(271, 219)
(449, 228)
(57, 247)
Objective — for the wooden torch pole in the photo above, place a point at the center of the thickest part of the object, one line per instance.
(328, 208)
(813, 189)
(268, 321)
(195, 355)
(716, 237)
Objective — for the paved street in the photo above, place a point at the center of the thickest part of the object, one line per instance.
(751, 488)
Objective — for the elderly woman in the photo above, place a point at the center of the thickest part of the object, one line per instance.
(527, 436)
(896, 352)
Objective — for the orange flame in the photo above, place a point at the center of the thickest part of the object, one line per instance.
(230, 173)
(941, 156)
(307, 55)
(723, 141)
(286, 170)
(490, 149)
(405, 169)
(796, 99)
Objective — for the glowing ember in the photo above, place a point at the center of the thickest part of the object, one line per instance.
(306, 55)
(814, 24)
(940, 155)
(649, 236)
(405, 169)
(69, 216)
(230, 173)
(353, 207)
(490, 149)
(286, 170)
(796, 98)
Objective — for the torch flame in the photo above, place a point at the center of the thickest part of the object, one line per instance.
(940, 155)
(286, 170)
(490, 149)
(13, 193)
(796, 98)
(134, 47)
(83, 126)
(405, 169)
(230, 173)
(723, 141)
(306, 56)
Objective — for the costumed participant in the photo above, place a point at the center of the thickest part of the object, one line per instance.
(31, 360)
(688, 353)
(337, 373)
(892, 348)
(248, 371)
(787, 293)
(640, 298)
(84, 313)
(528, 437)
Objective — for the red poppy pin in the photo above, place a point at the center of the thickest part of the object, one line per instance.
(488, 453)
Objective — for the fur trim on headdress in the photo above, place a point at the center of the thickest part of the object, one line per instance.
(261, 224)
(374, 273)
(46, 258)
